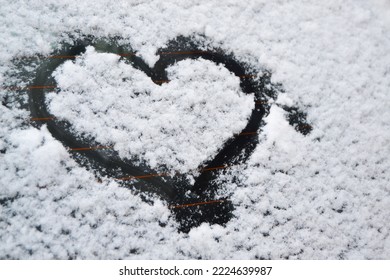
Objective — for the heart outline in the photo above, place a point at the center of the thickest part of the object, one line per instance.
(235, 150)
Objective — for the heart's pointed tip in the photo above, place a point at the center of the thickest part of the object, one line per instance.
(149, 55)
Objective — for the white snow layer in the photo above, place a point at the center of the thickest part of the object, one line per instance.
(179, 124)
(323, 196)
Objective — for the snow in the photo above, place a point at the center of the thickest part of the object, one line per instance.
(321, 196)
(120, 106)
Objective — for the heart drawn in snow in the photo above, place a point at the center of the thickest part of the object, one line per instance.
(153, 104)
